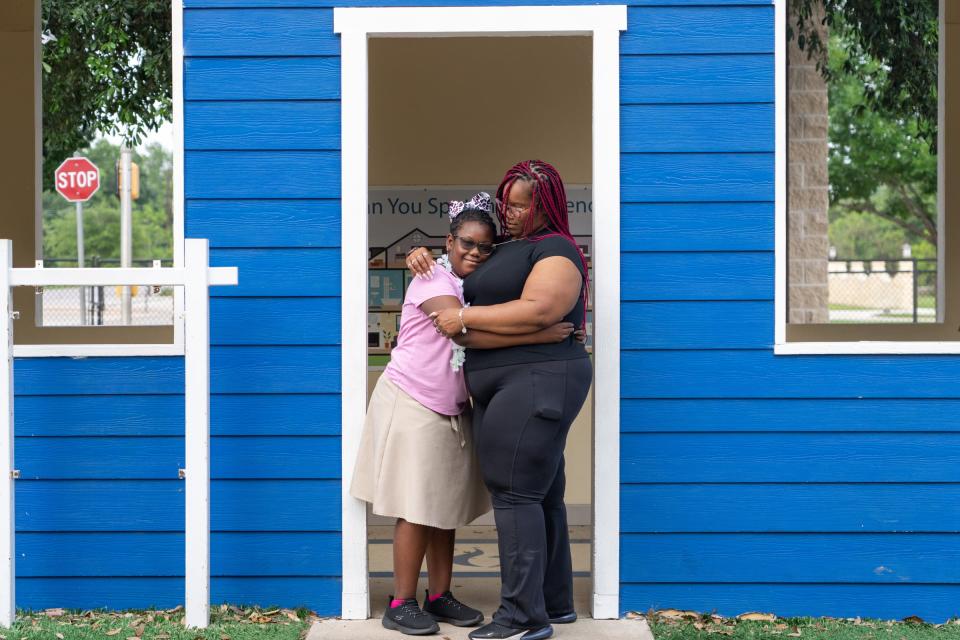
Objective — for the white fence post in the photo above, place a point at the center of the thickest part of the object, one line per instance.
(7, 529)
(196, 360)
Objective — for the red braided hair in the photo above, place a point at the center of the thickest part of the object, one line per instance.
(549, 198)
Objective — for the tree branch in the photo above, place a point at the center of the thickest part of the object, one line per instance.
(869, 207)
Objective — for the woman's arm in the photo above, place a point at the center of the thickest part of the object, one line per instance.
(476, 339)
(549, 293)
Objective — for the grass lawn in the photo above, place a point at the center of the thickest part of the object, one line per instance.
(687, 625)
(226, 623)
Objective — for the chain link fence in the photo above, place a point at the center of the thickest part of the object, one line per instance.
(102, 306)
(902, 290)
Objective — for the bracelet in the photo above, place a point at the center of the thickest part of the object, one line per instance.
(463, 325)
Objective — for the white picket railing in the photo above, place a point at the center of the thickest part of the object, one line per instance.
(196, 276)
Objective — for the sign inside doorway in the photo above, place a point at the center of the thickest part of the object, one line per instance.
(401, 218)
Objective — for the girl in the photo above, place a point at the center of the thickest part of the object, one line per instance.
(416, 460)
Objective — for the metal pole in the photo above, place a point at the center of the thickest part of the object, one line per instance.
(80, 262)
(126, 227)
(916, 290)
(7, 473)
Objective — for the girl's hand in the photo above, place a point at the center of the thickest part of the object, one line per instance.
(557, 333)
(447, 322)
(420, 262)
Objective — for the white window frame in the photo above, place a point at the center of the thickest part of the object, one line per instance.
(781, 345)
(175, 348)
(603, 24)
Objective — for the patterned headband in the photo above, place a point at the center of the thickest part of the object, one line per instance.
(479, 202)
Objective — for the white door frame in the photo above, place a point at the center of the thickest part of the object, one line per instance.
(604, 24)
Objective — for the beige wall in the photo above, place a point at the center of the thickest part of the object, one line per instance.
(460, 111)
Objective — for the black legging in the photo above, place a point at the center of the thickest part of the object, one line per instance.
(522, 414)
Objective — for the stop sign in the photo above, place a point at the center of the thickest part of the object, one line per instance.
(76, 179)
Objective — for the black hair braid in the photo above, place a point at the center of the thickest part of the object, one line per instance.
(473, 215)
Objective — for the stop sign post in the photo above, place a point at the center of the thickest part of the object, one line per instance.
(77, 179)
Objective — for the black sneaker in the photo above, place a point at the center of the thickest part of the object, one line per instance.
(448, 609)
(495, 631)
(408, 618)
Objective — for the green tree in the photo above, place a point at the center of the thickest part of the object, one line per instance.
(901, 36)
(106, 69)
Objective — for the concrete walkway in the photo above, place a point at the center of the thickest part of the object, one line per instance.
(583, 629)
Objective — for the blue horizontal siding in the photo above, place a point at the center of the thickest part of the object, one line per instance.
(790, 508)
(321, 594)
(789, 457)
(265, 223)
(158, 458)
(820, 414)
(700, 226)
(696, 325)
(262, 125)
(698, 29)
(316, 78)
(270, 32)
(688, 79)
(697, 276)
(260, 174)
(98, 376)
(665, 128)
(162, 554)
(280, 321)
(157, 505)
(280, 272)
(275, 369)
(162, 415)
(693, 177)
(785, 558)
(931, 602)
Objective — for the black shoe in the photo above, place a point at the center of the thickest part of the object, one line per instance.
(408, 618)
(565, 618)
(448, 609)
(500, 632)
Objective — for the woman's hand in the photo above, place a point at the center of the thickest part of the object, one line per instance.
(447, 322)
(580, 335)
(420, 262)
(557, 333)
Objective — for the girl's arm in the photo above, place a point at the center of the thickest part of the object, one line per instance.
(549, 293)
(478, 339)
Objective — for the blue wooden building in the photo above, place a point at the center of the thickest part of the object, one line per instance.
(735, 468)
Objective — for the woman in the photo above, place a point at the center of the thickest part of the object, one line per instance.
(416, 462)
(526, 396)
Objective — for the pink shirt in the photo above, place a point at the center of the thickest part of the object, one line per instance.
(420, 363)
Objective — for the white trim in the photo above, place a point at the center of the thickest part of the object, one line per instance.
(175, 348)
(603, 23)
(8, 573)
(781, 346)
(20, 277)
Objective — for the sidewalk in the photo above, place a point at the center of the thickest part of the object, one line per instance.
(583, 629)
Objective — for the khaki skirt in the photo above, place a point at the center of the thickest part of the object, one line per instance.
(417, 464)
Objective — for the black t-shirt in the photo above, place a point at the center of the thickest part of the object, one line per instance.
(500, 279)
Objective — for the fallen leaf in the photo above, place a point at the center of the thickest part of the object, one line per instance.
(224, 637)
(913, 620)
(795, 633)
(139, 630)
(53, 613)
(271, 612)
(633, 615)
(113, 632)
(59, 635)
(292, 615)
(131, 638)
(753, 615)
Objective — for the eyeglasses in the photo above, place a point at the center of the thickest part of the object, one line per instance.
(512, 208)
(484, 248)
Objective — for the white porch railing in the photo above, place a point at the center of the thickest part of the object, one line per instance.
(196, 276)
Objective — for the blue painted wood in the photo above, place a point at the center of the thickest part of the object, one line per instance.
(280, 321)
(262, 174)
(797, 508)
(886, 414)
(315, 78)
(275, 414)
(935, 603)
(265, 223)
(434, 3)
(318, 594)
(760, 374)
(280, 272)
(790, 457)
(262, 125)
(696, 325)
(695, 177)
(714, 128)
(158, 458)
(162, 415)
(109, 376)
(824, 558)
(701, 226)
(252, 32)
(696, 276)
(161, 554)
(275, 369)
(687, 79)
(698, 29)
(157, 505)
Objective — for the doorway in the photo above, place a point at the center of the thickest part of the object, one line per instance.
(404, 140)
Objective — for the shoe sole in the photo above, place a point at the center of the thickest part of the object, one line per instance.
(458, 623)
(538, 634)
(564, 619)
(410, 631)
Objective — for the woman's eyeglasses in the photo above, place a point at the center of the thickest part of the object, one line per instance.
(484, 248)
(512, 208)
